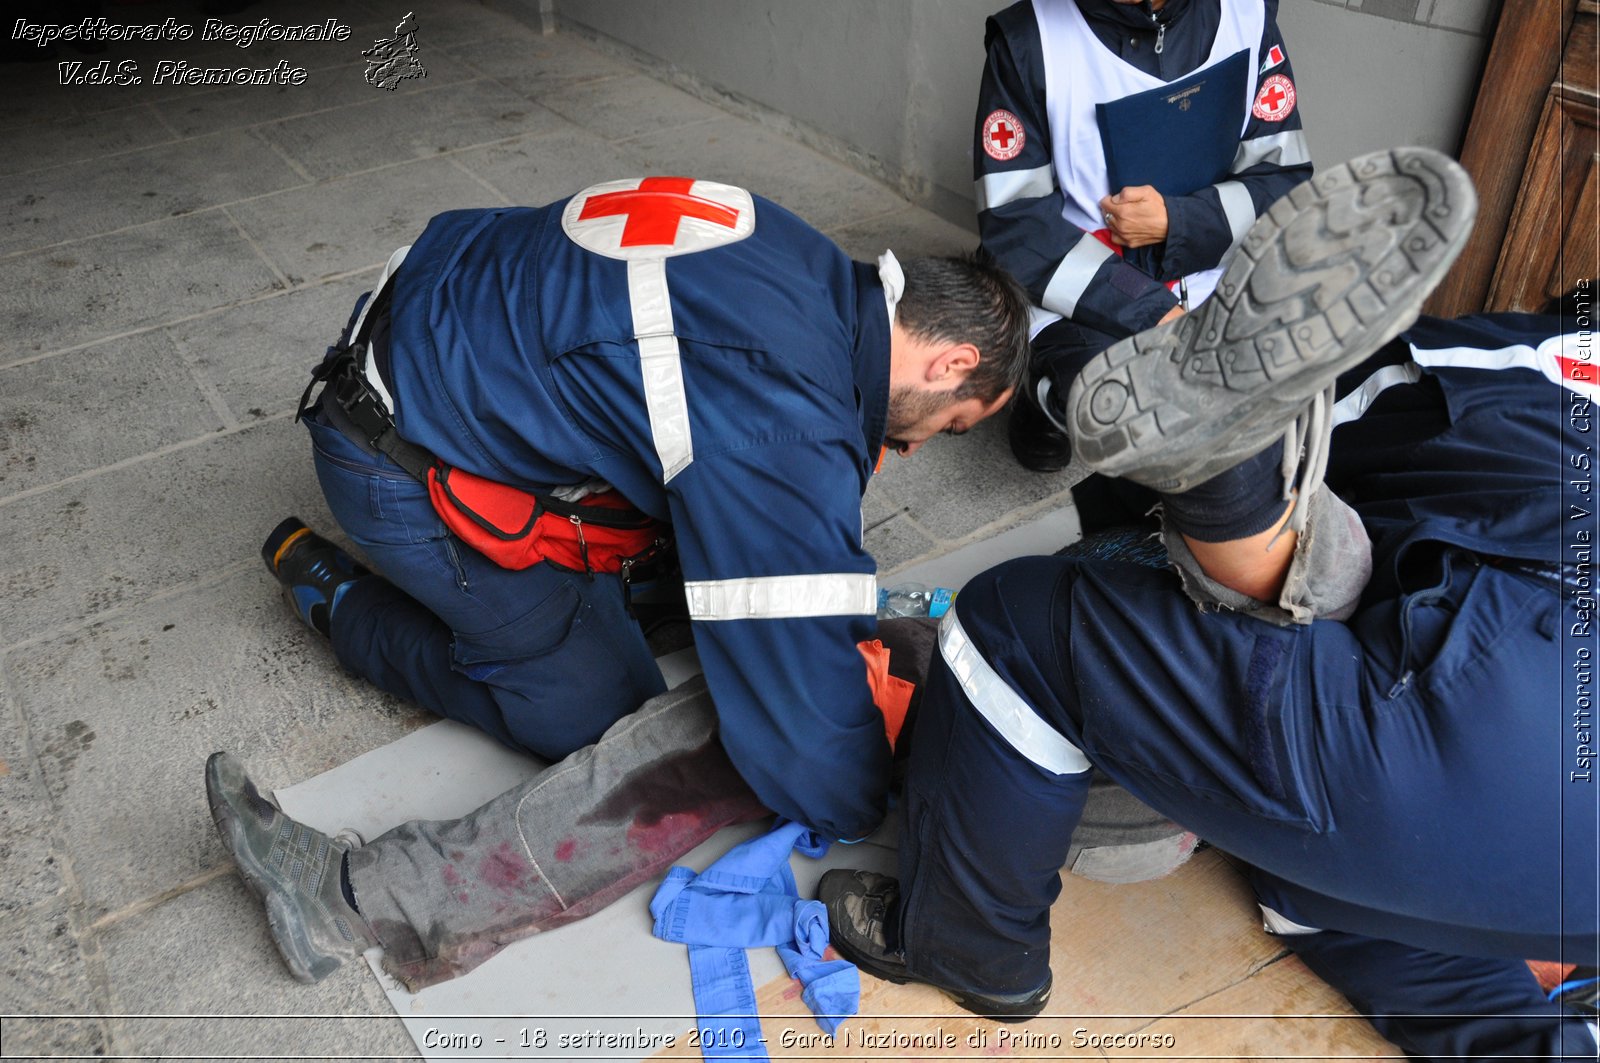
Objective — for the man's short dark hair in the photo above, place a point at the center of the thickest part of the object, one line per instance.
(970, 300)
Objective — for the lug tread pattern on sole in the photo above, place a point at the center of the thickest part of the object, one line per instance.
(1328, 274)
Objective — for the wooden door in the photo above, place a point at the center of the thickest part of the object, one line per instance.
(1532, 149)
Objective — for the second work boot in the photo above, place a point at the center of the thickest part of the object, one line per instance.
(313, 571)
(295, 870)
(1326, 276)
(859, 903)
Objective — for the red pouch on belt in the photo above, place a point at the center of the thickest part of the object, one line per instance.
(517, 529)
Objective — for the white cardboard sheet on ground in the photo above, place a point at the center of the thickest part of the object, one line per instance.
(603, 987)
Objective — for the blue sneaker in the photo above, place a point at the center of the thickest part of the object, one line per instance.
(314, 572)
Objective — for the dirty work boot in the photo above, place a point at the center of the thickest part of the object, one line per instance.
(1330, 273)
(858, 902)
(313, 571)
(296, 871)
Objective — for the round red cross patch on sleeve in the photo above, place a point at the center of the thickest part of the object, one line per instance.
(1275, 101)
(1002, 136)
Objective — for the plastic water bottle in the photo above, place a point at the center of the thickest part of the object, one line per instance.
(914, 599)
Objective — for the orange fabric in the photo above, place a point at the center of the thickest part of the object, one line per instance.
(1550, 974)
(890, 693)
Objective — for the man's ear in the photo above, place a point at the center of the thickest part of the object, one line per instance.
(957, 360)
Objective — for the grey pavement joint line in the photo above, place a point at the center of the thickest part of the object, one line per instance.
(311, 182)
(482, 182)
(89, 953)
(154, 901)
(1013, 518)
(208, 388)
(178, 138)
(839, 230)
(288, 160)
(160, 120)
(283, 278)
(209, 579)
(332, 278)
(652, 132)
(138, 459)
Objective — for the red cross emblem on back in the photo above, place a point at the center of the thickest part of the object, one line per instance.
(658, 217)
(655, 209)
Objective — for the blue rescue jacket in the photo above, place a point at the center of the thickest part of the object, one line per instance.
(752, 426)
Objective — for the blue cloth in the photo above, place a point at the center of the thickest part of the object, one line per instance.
(746, 899)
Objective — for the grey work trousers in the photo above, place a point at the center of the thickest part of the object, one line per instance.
(445, 896)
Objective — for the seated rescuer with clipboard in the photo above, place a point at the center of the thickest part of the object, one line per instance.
(1122, 151)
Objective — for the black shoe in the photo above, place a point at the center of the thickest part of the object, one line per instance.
(312, 570)
(859, 901)
(1037, 442)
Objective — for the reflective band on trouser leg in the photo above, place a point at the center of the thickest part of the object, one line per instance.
(744, 900)
(783, 597)
(1022, 728)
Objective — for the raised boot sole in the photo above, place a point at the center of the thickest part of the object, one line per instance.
(1332, 271)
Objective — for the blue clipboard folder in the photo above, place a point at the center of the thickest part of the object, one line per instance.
(1179, 137)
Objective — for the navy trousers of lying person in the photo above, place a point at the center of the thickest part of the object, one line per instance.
(542, 659)
(1405, 778)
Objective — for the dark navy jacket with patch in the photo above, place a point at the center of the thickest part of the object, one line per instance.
(1028, 234)
(513, 356)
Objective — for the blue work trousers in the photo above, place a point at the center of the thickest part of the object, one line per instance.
(542, 659)
(1409, 776)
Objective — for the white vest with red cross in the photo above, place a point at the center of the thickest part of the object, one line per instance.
(1081, 72)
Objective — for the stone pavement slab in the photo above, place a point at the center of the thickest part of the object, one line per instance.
(42, 972)
(960, 486)
(56, 409)
(545, 167)
(338, 78)
(230, 1002)
(354, 223)
(115, 542)
(116, 191)
(535, 66)
(395, 127)
(74, 138)
(30, 874)
(738, 151)
(256, 358)
(124, 713)
(78, 292)
(628, 106)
